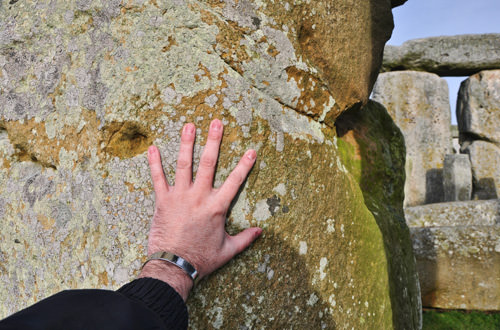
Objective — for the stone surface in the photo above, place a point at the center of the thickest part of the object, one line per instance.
(374, 152)
(457, 178)
(460, 55)
(86, 86)
(478, 107)
(459, 266)
(396, 3)
(468, 213)
(418, 103)
(485, 162)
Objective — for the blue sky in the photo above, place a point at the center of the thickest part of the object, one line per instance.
(426, 18)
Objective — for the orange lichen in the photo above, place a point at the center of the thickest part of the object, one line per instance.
(171, 42)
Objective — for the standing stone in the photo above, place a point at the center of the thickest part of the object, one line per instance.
(478, 107)
(485, 161)
(460, 55)
(458, 266)
(457, 178)
(418, 103)
(86, 86)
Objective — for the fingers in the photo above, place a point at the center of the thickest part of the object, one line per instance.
(206, 170)
(184, 172)
(242, 240)
(230, 188)
(159, 182)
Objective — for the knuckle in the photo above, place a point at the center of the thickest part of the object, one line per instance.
(207, 162)
(183, 163)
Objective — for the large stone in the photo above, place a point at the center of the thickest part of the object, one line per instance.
(468, 213)
(461, 55)
(485, 162)
(396, 3)
(459, 266)
(418, 103)
(478, 107)
(457, 178)
(86, 86)
(457, 246)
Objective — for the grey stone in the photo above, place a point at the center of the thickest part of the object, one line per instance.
(468, 213)
(478, 107)
(85, 90)
(458, 266)
(457, 178)
(418, 103)
(485, 161)
(460, 55)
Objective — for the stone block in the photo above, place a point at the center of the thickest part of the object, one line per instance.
(485, 162)
(460, 55)
(457, 178)
(86, 89)
(478, 107)
(467, 213)
(418, 103)
(458, 266)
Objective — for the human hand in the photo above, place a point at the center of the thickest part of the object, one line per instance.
(190, 216)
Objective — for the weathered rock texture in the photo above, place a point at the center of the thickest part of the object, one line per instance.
(460, 55)
(86, 86)
(457, 178)
(457, 246)
(485, 162)
(480, 213)
(418, 103)
(478, 107)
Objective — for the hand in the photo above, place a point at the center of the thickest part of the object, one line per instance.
(189, 217)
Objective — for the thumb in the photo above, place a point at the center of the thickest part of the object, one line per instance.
(242, 240)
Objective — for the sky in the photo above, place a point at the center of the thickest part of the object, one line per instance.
(428, 18)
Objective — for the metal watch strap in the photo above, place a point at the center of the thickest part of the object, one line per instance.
(176, 260)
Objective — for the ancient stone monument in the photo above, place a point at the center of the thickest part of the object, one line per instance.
(457, 244)
(460, 55)
(86, 86)
(418, 102)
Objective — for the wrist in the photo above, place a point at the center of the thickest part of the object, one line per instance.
(169, 273)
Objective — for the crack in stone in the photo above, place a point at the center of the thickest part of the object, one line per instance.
(312, 116)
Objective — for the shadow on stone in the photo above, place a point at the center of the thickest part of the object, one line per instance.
(426, 257)
(485, 188)
(274, 273)
(379, 145)
(434, 191)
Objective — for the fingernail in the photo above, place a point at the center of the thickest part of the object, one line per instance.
(251, 154)
(216, 125)
(188, 129)
(151, 150)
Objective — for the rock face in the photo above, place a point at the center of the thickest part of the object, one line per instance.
(478, 107)
(457, 178)
(460, 55)
(457, 246)
(485, 161)
(458, 267)
(86, 86)
(468, 213)
(418, 103)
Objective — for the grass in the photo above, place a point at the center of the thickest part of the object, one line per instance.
(460, 320)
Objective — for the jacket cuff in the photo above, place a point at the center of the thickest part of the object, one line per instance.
(160, 298)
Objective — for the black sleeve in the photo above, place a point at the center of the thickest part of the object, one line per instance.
(145, 303)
